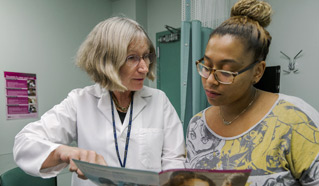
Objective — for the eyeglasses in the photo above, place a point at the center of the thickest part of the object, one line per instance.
(222, 76)
(134, 60)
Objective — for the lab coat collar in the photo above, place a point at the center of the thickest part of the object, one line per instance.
(104, 103)
(139, 101)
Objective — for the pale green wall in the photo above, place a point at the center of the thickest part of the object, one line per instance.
(134, 9)
(141, 13)
(42, 37)
(153, 15)
(294, 27)
(124, 7)
(159, 14)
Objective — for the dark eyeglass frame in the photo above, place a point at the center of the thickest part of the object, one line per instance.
(211, 70)
(150, 56)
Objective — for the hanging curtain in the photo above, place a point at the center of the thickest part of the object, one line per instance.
(199, 18)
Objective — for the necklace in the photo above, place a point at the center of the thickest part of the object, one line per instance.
(230, 122)
(117, 105)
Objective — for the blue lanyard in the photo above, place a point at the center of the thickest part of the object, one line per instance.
(128, 132)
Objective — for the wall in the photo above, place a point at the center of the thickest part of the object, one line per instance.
(124, 7)
(153, 15)
(293, 29)
(141, 13)
(134, 9)
(42, 37)
(159, 14)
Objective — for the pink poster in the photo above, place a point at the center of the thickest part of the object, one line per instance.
(21, 95)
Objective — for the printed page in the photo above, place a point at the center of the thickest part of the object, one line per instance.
(111, 176)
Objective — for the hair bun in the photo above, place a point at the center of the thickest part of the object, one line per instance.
(259, 11)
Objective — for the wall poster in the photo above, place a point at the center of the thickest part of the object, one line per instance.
(21, 95)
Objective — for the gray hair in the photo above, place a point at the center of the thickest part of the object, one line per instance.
(104, 51)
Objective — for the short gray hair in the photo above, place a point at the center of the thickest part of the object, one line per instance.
(104, 51)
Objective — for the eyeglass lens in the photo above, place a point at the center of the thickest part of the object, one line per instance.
(220, 75)
(135, 59)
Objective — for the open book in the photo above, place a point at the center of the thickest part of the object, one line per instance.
(112, 176)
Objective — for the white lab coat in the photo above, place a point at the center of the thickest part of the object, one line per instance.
(156, 141)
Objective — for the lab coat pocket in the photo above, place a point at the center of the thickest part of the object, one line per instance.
(151, 144)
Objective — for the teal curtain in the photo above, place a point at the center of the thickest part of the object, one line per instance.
(194, 38)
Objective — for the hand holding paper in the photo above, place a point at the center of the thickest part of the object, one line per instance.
(65, 154)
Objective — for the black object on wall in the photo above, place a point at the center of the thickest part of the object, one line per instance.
(271, 80)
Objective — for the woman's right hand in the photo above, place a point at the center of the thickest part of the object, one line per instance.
(65, 154)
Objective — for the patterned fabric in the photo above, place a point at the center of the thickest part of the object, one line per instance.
(282, 149)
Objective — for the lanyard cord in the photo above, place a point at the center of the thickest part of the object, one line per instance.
(127, 136)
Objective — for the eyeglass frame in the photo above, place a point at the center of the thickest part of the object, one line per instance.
(234, 74)
(141, 57)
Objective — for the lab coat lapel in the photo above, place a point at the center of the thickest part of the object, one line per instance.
(139, 101)
(104, 102)
(104, 105)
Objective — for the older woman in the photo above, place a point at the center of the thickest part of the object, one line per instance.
(116, 122)
(274, 135)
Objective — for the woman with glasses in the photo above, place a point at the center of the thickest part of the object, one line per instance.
(274, 135)
(116, 122)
